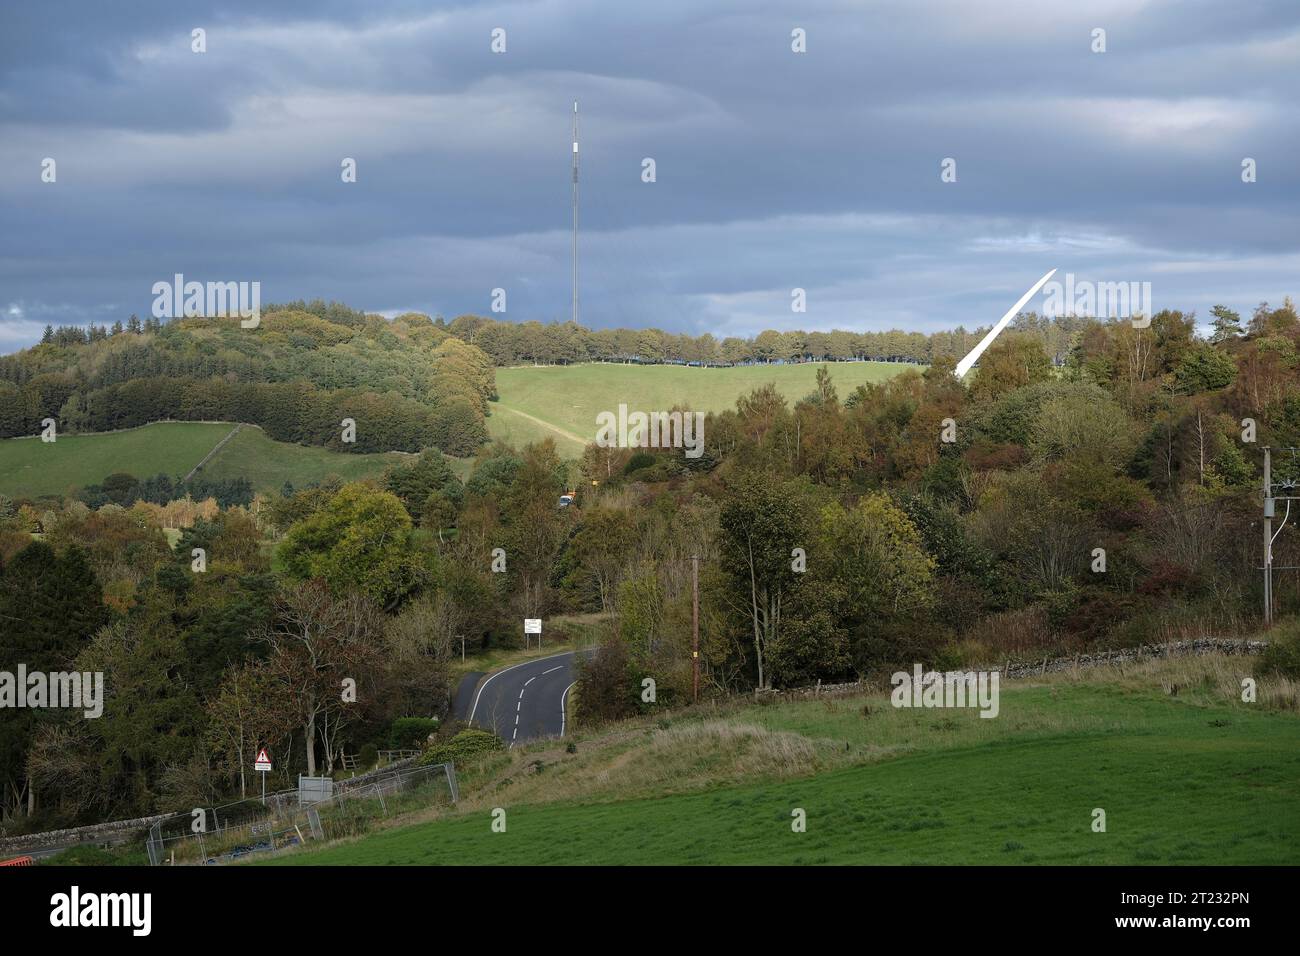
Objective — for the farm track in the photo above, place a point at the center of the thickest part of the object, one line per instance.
(547, 425)
(208, 457)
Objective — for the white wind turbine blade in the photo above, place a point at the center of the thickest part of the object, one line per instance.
(969, 361)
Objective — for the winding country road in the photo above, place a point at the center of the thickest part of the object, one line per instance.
(522, 702)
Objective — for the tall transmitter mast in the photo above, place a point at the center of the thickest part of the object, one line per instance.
(575, 212)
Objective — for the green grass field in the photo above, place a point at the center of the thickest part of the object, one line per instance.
(568, 397)
(31, 467)
(1196, 778)
(268, 464)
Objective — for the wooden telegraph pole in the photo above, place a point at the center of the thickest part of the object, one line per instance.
(1268, 537)
(695, 628)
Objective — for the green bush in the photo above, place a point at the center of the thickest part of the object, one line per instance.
(464, 746)
(369, 755)
(410, 733)
(947, 658)
(642, 459)
(608, 688)
(97, 856)
(1282, 656)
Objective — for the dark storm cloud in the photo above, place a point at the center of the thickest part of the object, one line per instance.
(775, 170)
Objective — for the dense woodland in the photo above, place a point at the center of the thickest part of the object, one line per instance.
(559, 343)
(915, 549)
(406, 383)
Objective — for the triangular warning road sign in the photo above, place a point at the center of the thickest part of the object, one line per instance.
(263, 761)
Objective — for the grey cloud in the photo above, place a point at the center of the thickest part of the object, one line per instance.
(775, 170)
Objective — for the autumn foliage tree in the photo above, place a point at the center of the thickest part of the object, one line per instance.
(323, 651)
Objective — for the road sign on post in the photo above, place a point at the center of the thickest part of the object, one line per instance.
(263, 766)
(533, 625)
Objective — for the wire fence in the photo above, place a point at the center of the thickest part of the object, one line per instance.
(235, 831)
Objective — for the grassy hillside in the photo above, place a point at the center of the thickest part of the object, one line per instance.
(31, 467)
(556, 401)
(1192, 777)
(268, 464)
(567, 398)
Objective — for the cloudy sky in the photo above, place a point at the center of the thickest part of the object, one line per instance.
(775, 169)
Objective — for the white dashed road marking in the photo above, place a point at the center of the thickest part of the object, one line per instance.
(479, 693)
(519, 704)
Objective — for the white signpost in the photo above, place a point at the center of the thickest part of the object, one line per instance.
(533, 625)
(263, 766)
